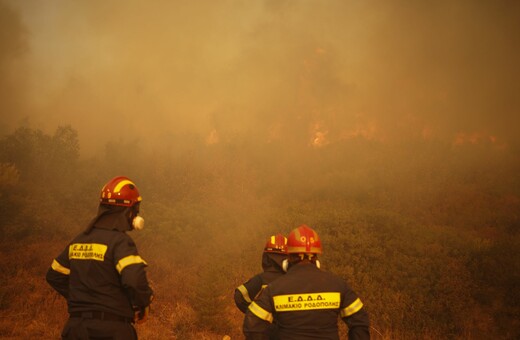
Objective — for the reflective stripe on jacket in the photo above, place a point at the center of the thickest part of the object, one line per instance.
(246, 293)
(101, 271)
(305, 303)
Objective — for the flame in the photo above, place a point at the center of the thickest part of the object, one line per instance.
(320, 139)
(212, 138)
(319, 135)
(477, 137)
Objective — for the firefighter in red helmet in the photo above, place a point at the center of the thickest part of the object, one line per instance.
(100, 272)
(305, 303)
(273, 258)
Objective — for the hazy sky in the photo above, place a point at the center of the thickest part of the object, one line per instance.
(327, 70)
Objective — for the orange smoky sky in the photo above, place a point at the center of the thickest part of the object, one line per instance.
(324, 70)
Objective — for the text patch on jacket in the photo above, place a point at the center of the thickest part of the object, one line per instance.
(294, 302)
(87, 251)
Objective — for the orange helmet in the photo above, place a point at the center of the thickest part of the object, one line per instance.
(303, 240)
(276, 244)
(120, 191)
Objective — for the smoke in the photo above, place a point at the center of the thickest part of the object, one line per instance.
(13, 46)
(307, 72)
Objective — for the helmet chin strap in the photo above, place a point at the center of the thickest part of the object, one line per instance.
(138, 223)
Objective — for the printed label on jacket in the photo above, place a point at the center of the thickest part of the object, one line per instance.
(296, 302)
(87, 251)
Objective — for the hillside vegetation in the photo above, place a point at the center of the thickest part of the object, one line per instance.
(426, 232)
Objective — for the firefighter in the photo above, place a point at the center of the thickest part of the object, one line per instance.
(273, 257)
(305, 302)
(100, 272)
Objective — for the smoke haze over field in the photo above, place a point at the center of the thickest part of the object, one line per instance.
(314, 72)
(390, 126)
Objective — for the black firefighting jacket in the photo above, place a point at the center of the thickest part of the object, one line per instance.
(272, 266)
(305, 303)
(101, 271)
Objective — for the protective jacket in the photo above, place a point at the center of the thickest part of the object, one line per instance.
(272, 266)
(101, 270)
(305, 303)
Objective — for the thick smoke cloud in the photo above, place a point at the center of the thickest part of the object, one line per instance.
(303, 71)
(13, 46)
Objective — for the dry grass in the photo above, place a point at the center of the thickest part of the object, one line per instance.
(29, 308)
(194, 297)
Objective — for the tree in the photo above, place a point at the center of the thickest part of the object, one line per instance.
(39, 156)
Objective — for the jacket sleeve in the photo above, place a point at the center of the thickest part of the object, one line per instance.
(355, 316)
(246, 293)
(132, 269)
(259, 317)
(58, 274)
(242, 299)
(358, 325)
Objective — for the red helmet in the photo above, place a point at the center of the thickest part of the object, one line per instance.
(303, 240)
(276, 244)
(120, 191)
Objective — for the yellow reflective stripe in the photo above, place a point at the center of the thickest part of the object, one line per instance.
(260, 312)
(309, 301)
(242, 289)
(353, 308)
(59, 268)
(129, 260)
(122, 184)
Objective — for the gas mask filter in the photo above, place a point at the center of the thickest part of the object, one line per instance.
(138, 223)
(285, 265)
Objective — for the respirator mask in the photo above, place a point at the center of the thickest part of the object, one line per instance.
(138, 223)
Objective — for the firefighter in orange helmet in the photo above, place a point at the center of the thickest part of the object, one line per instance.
(275, 252)
(273, 257)
(305, 303)
(100, 272)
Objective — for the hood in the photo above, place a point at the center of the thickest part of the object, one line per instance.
(111, 217)
(273, 262)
